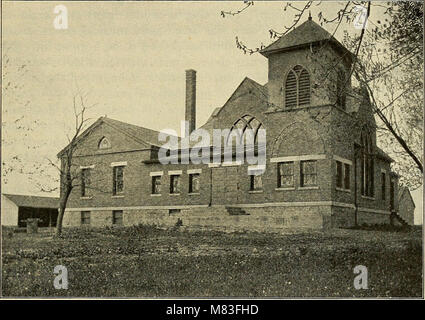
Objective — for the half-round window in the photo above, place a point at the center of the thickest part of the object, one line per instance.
(297, 87)
(240, 133)
(104, 143)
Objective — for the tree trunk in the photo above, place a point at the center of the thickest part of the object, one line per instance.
(62, 207)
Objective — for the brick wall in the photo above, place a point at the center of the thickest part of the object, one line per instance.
(320, 129)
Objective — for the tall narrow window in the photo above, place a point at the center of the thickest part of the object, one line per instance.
(285, 174)
(256, 182)
(118, 180)
(342, 175)
(383, 185)
(156, 185)
(175, 184)
(308, 173)
(85, 217)
(194, 183)
(392, 194)
(297, 88)
(85, 181)
(117, 217)
(339, 175)
(367, 165)
(346, 176)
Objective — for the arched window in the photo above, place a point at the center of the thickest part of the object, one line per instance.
(367, 164)
(297, 87)
(239, 132)
(104, 143)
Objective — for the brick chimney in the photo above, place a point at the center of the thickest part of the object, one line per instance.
(190, 114)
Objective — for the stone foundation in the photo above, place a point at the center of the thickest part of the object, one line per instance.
(260, 219)
(216, 217)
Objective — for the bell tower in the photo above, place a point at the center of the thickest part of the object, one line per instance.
(304, 66)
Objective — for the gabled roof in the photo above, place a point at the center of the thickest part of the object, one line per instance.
(140, 134)
(308, 32)
(257, 89)
(33, 201)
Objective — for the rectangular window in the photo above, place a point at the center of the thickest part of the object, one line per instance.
(85, 181)
(342, 175)
(256, 182)
(117, 217)
(285, 174)
(173, 211)
(308, 173)
(194, 183)
(368, 171)
(175, 184)
(85, 217)
(346, 176)
(371, 178)
(118, 182)
(383, 185)
(156, 185)
(339, 175)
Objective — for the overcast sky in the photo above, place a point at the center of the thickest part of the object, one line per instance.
(131, 59)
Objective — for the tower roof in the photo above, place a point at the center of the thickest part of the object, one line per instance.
(305, 34)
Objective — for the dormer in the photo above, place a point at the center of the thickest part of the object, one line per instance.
(307, 67)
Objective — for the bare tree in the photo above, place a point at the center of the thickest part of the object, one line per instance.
(69, 174)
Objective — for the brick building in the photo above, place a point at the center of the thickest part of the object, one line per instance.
(323, 167)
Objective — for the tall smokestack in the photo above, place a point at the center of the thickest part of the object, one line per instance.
(190, 114)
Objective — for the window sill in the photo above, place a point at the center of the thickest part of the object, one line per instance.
(194, 193)
(174, 194)
(118, 196)
(343, 190)
(284, 189)
(155, 194)
(255, 191)
(309, 188)
(367, 197)
(86, 198)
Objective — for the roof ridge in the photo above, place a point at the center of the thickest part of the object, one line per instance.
(128, 124)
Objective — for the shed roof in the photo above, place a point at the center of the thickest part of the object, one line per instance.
(33, 201)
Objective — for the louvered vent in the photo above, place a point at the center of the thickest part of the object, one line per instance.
(297, 88)
(291, 90)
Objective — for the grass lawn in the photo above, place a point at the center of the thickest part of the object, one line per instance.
(143, 261)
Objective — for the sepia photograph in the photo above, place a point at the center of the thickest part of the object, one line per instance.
(212, 150)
